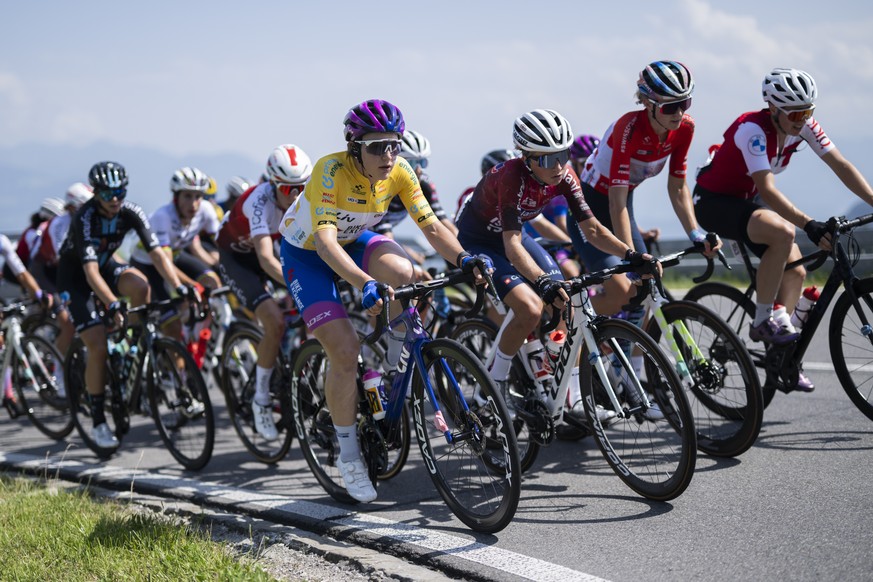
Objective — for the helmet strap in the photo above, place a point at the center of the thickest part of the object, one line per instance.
(655, 116)
(532, 173)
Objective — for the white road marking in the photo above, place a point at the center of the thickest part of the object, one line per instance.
(229, 498)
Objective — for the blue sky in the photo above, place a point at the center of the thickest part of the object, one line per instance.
(190, 78)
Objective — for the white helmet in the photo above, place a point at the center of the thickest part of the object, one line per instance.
(50, 208)
(78, 194)
(288, 164)
(188, 178)
(237, 186)
(542, 131)
(789, 88)
(414, 146)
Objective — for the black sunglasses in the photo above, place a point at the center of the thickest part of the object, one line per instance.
(549, 161)
(674, 106)
(107, 194)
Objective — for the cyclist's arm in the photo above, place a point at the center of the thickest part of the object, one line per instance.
(519, 257)
(164, 264)
(331, 252)
(849, 175)
(267, 259)
(26, 280)
(680, 197)
(776, 200)
(98, 284)
(602, 238)
(443, 241)
(196, 248)
(620, 215)
(450, 225)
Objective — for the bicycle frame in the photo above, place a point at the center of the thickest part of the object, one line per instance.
(13, 333)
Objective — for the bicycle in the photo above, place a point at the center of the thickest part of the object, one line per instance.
(717, 372)
(461, 425)
(656, 459)
(175, 394)
(37, 374)
(849, 334)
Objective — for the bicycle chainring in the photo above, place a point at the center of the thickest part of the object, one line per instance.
(539, 421)
(373, 447)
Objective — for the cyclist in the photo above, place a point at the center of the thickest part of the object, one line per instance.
(86, 266)
(511, 194)
(328, 233)
(236, 187)
(757, 146)
(209, 196)
(177, 226)
(29, 241)
(247, 262)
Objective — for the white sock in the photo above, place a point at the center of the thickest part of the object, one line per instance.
(763, 311)
(500, 367)
(348, 442)
(262, 386)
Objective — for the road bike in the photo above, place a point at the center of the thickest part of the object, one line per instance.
(655, 458)
(175, 394)
(461, 424)
(716, 370)
(36, 369)
(850, 332)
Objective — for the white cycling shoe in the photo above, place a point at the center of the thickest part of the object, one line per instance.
(103, 437)
(264, 423)
(357, 482)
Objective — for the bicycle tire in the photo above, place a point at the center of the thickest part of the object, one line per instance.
(723, 388)
(851, 350)
(180, 404)
(315, 431)
(80, 407)
(481, 487)
(39, 389)
(238, 361)
(738, 311)
(654, 458)
(40, 325)
(478, 336)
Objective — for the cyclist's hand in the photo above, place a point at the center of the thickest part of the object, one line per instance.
(701, 239)
(420, 274)
(551, 291)
(818, 234)
(372, 296)
(115, 313)
(644, 264)
(45, 299)
(478, 264)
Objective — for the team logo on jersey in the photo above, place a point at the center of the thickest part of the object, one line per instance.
(757, 145)
(356, 200)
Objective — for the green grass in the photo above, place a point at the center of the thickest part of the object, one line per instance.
(52, 534)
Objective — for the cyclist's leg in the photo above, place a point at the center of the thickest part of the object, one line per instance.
(792, 282)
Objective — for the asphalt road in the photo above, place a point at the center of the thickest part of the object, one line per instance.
(796, 506)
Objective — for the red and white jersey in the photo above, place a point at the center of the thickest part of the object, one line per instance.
(52, 239)
(750, 145)
(631, 151)
(8, 252)
(255, 213)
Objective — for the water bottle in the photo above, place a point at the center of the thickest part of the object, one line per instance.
(554, 345)
(373, 389)
(804, 306)
(535, 353)
(780, 316)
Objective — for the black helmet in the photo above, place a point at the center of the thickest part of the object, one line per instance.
(495, 157)
(107, 176)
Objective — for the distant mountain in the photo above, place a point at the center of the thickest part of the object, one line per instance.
(29, 173)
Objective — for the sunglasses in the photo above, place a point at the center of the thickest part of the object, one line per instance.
(418, 163)
(674, 106)
(549, 161)
(107, 194)
(380, 147)
(289, 189)
(798, 115)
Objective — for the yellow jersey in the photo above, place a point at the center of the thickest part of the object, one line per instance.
(341, 198)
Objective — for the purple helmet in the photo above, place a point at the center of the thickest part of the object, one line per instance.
(372, 116)
(583, 146)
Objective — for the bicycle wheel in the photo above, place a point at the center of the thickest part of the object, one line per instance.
(655, 458)
(180, 404)
(79, 402)
(41, 325)
(38, 378)
(722, 386)
(738, 311)
(480, 485)
(386, 448)
(238, 361)
(477, 335)
(851, 348)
